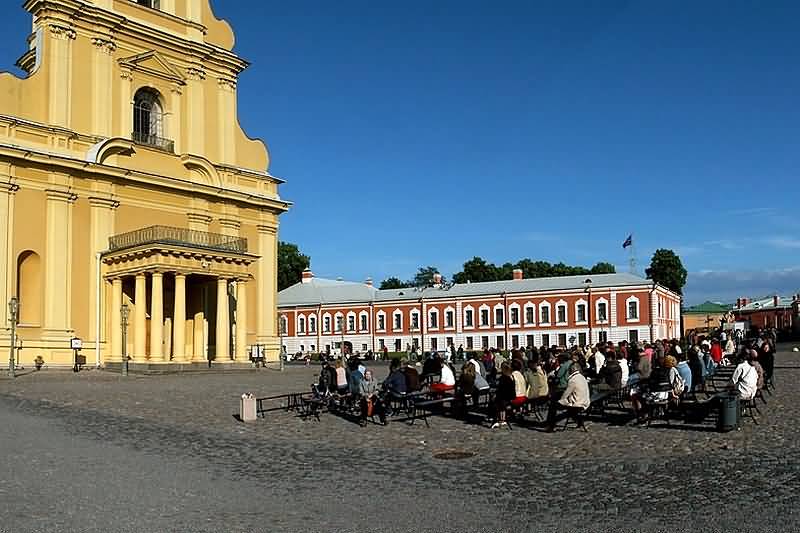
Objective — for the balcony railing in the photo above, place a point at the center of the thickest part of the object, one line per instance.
(155, 141)
(178, 237)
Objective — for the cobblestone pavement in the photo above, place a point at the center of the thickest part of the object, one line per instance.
(96, 452)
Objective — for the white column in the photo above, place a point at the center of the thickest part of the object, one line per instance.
(116, 319)
(140, 319)
(157, 317)
(223, 323)
(241, 321)
(179, 319)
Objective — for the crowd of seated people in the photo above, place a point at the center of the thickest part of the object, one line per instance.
(655, 372)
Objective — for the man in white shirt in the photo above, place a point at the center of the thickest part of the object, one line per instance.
(599, 361)
(745, 380)
(623, 364)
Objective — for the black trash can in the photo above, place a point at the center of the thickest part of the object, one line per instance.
(728, 418)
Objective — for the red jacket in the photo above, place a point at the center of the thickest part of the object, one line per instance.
(716, 353)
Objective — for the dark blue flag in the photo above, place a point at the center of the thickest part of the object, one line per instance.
(628, 241)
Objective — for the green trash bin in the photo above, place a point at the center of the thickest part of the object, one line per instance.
(728, 418)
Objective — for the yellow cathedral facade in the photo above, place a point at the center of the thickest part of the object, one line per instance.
(127, 183)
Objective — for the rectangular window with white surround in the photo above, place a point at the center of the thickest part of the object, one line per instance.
(499, 317)
(633, 310)
(381, 322)
(363, 322)
(414, 320)
(351, 323)
(484, 317)
(468, 318)
(339, 323)
(529, 316)
(514, 316)
(602, 311)
(449, 319)
(544, 311)
(469, 342)
(327, 324)
(434, 320)
(398, 322)
(580, 313)
(561, 314)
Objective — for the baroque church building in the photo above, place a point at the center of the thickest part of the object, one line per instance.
(127, 188)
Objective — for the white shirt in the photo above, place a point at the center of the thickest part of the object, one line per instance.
(477, 365)
(447, 377)
(745, 379)
(623, 364)
(599, 361)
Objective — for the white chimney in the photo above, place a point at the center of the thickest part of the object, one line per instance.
(437, 279)
(368, 282)
(517, 274)
(307, 276)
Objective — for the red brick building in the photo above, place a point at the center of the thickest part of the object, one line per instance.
(777, 312)
(318, 314)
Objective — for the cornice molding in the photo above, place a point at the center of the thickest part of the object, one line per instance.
(62, 31)
(104, 45)
(164, 69)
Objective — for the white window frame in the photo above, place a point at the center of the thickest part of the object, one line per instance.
(301, 324)
(474, 317)
(597, 311)
(431, 312)
(488, 310)
(312, 324)
(336, 322)
(583, 303)
(493, 318)
(450, 309)
(395, 313)
(630, 300)
(530, 305)
(562, 304)
(284, 325)
(519, 315)
(330, 320)
(378, 322)
(352, 314)
(414, 314)
(545, 304)
(363, 315)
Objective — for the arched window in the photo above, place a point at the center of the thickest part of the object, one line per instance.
(29, 283)
(148, 119)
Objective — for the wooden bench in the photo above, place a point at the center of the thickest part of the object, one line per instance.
(423, 408)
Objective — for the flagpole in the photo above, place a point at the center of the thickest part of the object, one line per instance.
(632, 259)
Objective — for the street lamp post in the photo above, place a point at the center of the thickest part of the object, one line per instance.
(125, 313)
(13, 310)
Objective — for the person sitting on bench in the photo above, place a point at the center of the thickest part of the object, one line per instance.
(610, 374)
(575, 399)
(536, 379)
(520, 385)
(412, 376)
(370, 401)
(447, 381)
(506, 391)
(745, 380)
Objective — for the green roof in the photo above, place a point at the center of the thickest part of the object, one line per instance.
(708, 308)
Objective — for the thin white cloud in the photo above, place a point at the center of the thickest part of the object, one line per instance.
(726, 286)
(753, 211)
(784, 242)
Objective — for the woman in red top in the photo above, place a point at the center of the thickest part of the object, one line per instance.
(716, 351)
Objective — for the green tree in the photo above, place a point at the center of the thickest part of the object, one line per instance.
(291, 264)
(603, 268)
(667, 269)
(476, 270)
(393, 283)
(424, 277)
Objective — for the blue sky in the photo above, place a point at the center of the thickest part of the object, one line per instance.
(423, 133)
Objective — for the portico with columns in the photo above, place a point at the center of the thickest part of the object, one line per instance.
(187, 295)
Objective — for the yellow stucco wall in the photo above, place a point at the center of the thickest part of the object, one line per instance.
(71, 175)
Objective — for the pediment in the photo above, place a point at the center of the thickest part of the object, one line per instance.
(154, 64)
